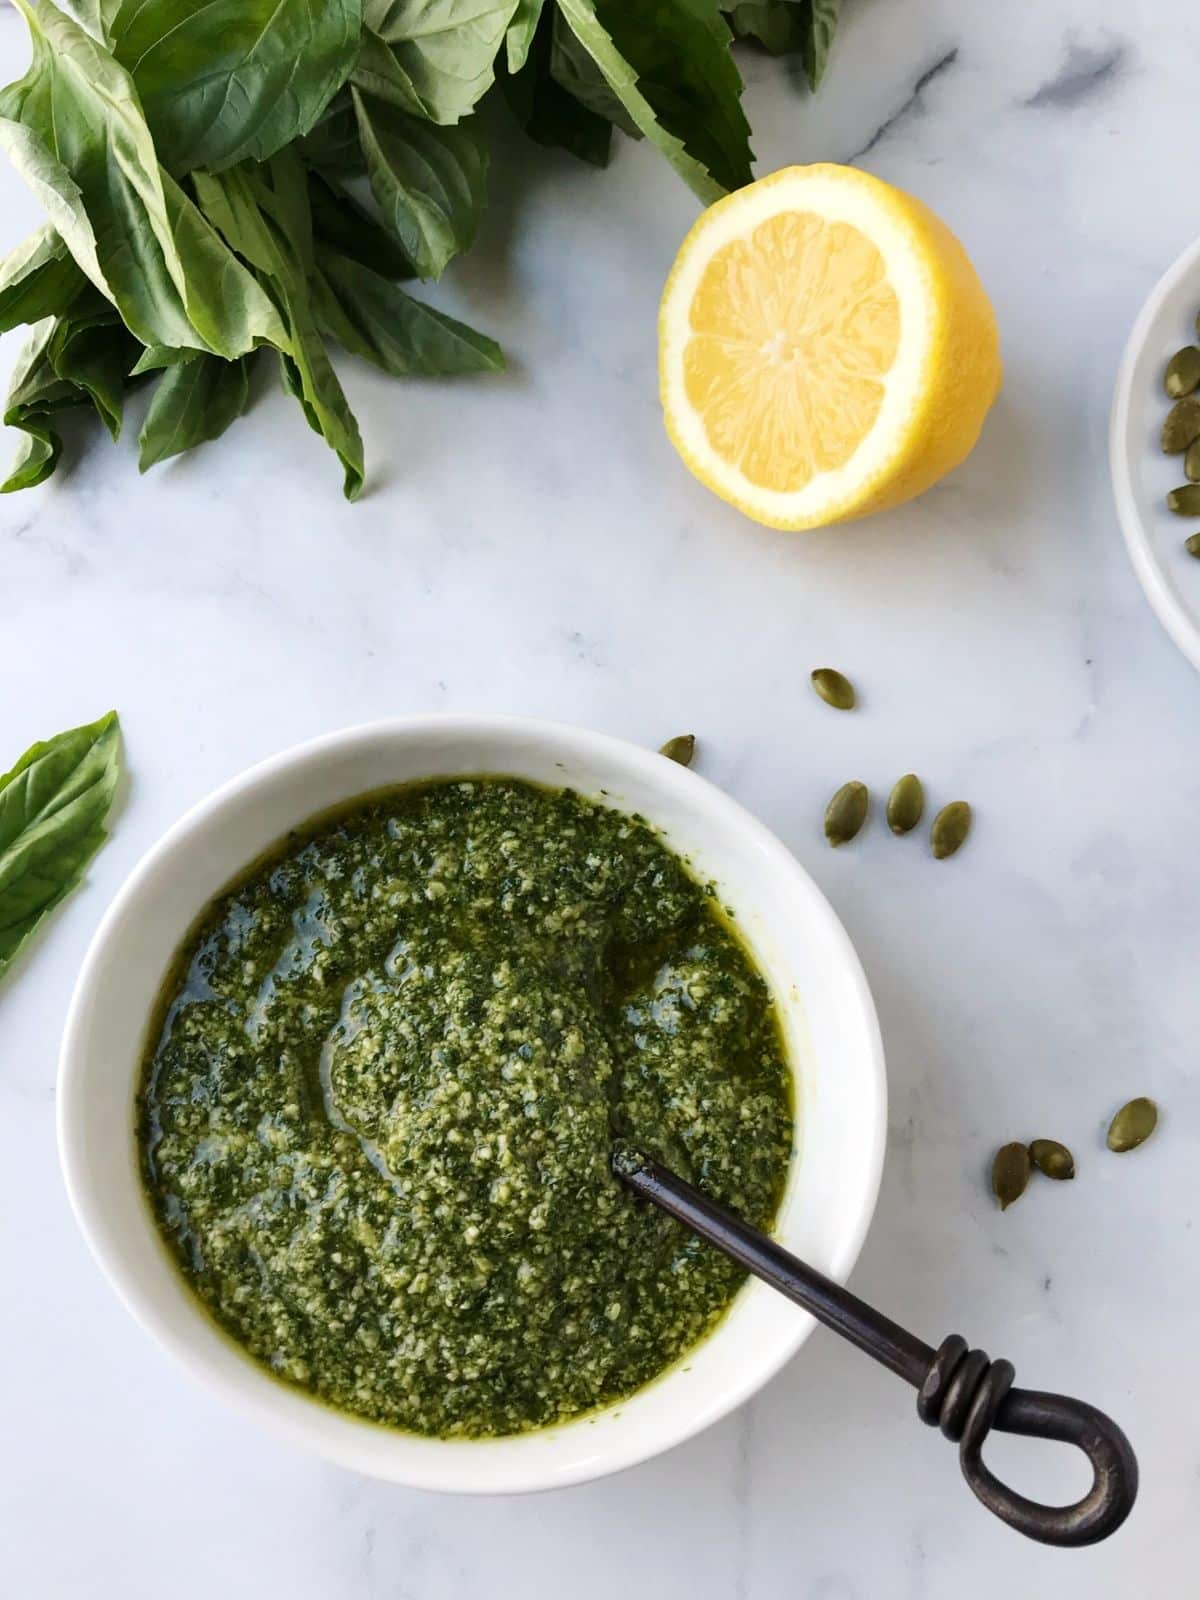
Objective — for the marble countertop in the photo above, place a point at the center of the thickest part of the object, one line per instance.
(531, 544)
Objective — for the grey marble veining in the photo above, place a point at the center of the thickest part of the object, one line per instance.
(531, 544)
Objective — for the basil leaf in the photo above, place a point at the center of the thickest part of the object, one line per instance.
(519, 38)
(228, 202)
(573, 68)
(429, 182)
(82, 145)
(233, 79)
(378, 71)
(35, 392)
(822, 25)
(377, 320)
(157, 356)
(93, 351)
(94, 16)
(548, 114)
(37, 279)
(278, 246)
(350, 230)
(308, 376)
(671, 68)
(781, 27)
(333, 143)
(279, 189)
(67, 361)
(52, 810)
(192, 402)
(445, 49)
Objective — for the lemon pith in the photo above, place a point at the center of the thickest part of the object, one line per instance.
(826, 348)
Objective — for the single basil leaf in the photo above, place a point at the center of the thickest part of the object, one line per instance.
(519, 38)
(95, 16)
(574, 69)
(822, 25)
(350, 230)
(333, 143)
(37, 455)
(80, 141)
(37, 279)
(670, 66)
(429, 182)
(780, 27)
(53, 805)
(377, 320)
(227, 200)
(548, 114)
(445, 49)
(92, 350)
(158, 356)
(35, 392)
(378, 71)
(231, 199)
(309, 377)
(233, 79)
(279, 188)
(191, 403)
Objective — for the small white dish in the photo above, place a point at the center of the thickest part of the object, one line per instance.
(1141, 474)
(825, 1008)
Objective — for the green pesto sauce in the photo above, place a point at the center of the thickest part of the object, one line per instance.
(385, 1078)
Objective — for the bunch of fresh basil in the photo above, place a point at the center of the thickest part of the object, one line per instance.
(197, 165)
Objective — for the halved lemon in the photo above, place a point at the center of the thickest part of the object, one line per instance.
(826, 348)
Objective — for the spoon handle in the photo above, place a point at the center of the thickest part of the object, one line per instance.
(958, 1389)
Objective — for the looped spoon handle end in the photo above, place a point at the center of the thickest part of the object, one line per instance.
(966, 1395)
(960, 1391)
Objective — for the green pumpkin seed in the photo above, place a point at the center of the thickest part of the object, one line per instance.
(1185, 501)
(1133, 1124)
(681, 748)
(1183, 372)
(1010, 1173)
(1182, 425)
(846, 813)
(905, 803)
(834, 688)
(1192, 545)
(1191, 462)
(1052, 1159)
(950, 828)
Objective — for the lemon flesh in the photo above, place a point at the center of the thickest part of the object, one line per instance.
(826, 348)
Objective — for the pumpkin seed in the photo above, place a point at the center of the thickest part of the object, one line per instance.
(1192, 545)
(834, 688)
(1010, 1173)
(681, 748)
(1052, 1159)
(1185, 501)
(1183, 372)
(950, 828)
(846, 813)
(1133, 1124)
(905, 803)
(1182, 425)
(1191, 462)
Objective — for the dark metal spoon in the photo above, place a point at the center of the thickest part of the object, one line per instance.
(960, 1390)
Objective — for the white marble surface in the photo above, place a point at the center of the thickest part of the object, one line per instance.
(531, 544)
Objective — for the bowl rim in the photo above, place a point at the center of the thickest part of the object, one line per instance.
(1171, 613)
(260, 1399)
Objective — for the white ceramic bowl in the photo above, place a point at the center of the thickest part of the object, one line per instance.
(825, 1005)
(1141, 474)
